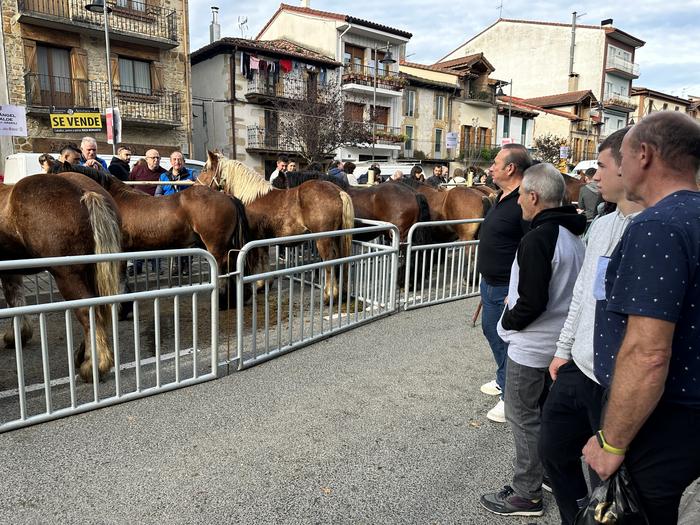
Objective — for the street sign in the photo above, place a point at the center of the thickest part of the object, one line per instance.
(13, 121)
(68, 120)
(564, 152)
(113, 113)
(451, 139)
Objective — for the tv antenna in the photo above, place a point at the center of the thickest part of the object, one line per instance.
(500, 9)
(243, 25)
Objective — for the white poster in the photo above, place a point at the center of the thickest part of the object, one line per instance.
(13, 121)
(451, 139)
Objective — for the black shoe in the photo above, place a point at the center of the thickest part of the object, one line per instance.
(508, 503)
(546, 484)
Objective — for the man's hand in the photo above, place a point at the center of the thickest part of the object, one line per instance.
(604, 463)
(92, 163)
(557, 362)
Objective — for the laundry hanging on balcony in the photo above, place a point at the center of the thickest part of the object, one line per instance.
(285, 65)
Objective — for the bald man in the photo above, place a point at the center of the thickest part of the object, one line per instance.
(147, 171)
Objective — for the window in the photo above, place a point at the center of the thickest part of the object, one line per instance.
(523, 132)
(354, 112)
(408, 145)
(382, 114)
(354, 58)
(382, 69)
(665, 105)
(53, 65)
(135, 5)
(677, 108)
(506, 126)
(606, 122)
(135, 76)
(410, 103)
(439, 107)
(438, 143)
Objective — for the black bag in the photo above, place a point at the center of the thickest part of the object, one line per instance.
(613, 502)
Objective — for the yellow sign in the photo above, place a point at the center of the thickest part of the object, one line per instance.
(78, 119)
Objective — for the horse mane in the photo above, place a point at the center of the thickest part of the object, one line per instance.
(105, 179)
(414, 183)
(297, 178)
(241, 181)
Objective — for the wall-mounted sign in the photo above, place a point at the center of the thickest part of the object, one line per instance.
(65, 120)
(13, 121)
(564, 152)
(451, 139)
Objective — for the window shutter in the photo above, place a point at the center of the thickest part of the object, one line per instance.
(157, 84)
(488, 137)
(114, 67)
(78, 66)
(31, 70)
(405, 101)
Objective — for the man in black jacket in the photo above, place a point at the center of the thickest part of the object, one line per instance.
(119, 167)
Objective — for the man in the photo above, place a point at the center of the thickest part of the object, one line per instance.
(589, 196)
(337, 171)
(499, 235)
(88, 147)
(149, 171)
(177, 172)
(396, 176)
(647, 344)
(436, 178)
(69, 154)
(119, 167)
(282, 162)
(572, 410)
(349, 168)
(542, 278)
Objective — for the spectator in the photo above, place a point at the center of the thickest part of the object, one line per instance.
(500, 234)
(589, 196)
(46, 161)
(291, 166)
(647, 344)
(150, 170)
(445, 175)
(88, 147)
(178, 172)
(417, 173)
(350, 173)
(396, 176)
(69, 154)
(458, 177)
(436, 178)
(338, 172)
(119, 167)
(572, 411)
(542, 278)
(364, 178)
(282, 161)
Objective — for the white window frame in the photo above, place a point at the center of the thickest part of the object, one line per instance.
(439, 107)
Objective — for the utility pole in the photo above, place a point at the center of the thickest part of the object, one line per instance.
(573, 43)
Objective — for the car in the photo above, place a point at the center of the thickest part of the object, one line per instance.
(20, 165)
(583, 166)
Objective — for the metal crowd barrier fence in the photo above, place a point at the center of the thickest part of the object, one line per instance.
(292, 311)
(440, 272)
(167, 344)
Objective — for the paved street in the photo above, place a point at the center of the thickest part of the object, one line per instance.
(383, 424)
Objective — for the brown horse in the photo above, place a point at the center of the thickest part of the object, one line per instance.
(315, 206)
(573, 187)
(48, 216)
(195, 217)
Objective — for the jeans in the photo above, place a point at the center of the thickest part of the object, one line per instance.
(527, 388)
(492, 305)
(570, 417)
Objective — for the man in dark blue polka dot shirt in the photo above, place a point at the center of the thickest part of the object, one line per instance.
(647, 328)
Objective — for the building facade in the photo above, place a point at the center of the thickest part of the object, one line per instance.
(542, 60)
(649, 101)
(55, 58)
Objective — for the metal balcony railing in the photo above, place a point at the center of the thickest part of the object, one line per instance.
(617, 99)
(364, 75)
(128, 16)
(287, 88)
(480, 96)
(269, 140)
(389, 135)
(145, 105)
(615, 62)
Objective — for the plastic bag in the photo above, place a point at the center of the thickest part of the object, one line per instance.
(613, 502)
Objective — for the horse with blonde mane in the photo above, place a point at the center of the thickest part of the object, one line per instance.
(49, 216)
(315, 206)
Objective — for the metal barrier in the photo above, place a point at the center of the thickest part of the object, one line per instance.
(440, 272)
(293, 312)
(39, 382)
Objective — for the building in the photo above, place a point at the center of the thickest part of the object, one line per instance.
(649, 100)
(543, 58)
(55, 58)
(249, 83)
(516, 121)
(361, 46)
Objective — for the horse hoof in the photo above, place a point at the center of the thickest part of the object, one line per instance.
(125, 310)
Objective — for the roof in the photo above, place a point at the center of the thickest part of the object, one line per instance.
(281, 47)
(528, 105)
(517, 105)
(562, 99)
(638, 90)
(334, 16)
(467, 60)
(452, 67)
(414, 80)
(428, 67)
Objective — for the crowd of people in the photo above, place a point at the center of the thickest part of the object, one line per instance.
(597, 347)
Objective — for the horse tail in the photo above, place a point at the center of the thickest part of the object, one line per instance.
(348, 223)
(241, 234)
(106, 232)
(422, 234)
(486, 203)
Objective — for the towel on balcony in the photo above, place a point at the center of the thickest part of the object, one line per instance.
(254, 63)
(285, 65)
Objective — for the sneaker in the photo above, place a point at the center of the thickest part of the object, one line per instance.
(508, 503)
(497, 413)
(491, 388)
(546, 484)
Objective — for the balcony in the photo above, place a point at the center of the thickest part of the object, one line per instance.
(266, 140)
(480, 98)
(622, 67)
(360, 78)
(389, 135)
(618, 102)
(130, 21)
(262, 90)
(146, 107)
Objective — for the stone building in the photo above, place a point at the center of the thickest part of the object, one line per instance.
(54, 55)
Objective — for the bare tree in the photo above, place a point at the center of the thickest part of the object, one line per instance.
(548, 148)
(314, 124)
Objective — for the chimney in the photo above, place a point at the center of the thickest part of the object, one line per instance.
(214, 27)
(608, 22)
(305, 3)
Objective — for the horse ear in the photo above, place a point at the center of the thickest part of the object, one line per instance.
(213, 159)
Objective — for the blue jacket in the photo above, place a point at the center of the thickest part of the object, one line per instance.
(98, 159)
(169, 189)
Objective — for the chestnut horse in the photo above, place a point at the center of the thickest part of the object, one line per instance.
(49, 216)
(315, 206)
(194, 217)
(573, 187)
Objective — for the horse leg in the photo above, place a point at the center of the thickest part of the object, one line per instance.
(328, 250)
(14, 296)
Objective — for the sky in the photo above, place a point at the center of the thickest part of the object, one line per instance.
(669, 62)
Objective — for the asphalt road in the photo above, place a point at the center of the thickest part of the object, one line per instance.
(382, 424)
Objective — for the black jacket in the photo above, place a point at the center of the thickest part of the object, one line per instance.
(119, 168)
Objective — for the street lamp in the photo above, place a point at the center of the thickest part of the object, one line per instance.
(100, 6)
(388, 59)
(500, 93)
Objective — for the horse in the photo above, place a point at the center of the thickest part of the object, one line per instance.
(49, 216)
(315, 206)
(573, 187)
(196, 217)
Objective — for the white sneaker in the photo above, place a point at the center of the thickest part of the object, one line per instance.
(497, 413)
(491, 388)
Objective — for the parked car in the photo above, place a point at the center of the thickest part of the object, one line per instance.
(583, 165)
(20, 165)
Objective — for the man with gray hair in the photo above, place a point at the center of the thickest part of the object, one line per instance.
(542, 279)
(88, 147)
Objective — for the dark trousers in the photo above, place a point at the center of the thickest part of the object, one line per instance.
(492, 305)
(571, 415)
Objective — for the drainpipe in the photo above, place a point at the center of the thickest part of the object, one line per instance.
(339, 51)
(232, 75)
(573, 43)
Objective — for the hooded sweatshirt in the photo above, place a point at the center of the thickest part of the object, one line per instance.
(542, 279)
